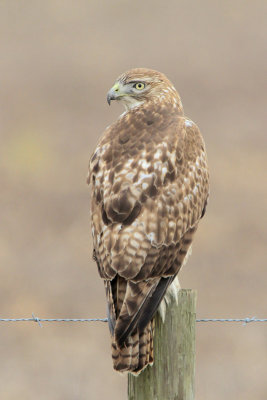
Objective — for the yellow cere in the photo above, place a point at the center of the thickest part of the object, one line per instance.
(116, 87)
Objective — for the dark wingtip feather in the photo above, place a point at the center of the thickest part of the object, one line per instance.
(144, 314)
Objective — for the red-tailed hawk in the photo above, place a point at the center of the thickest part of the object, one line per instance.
(149, 180)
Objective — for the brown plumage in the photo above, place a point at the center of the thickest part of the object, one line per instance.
(150, 187)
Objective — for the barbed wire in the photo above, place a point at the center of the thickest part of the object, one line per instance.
(245, 321)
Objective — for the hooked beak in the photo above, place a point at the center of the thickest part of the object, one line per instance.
(113, 93)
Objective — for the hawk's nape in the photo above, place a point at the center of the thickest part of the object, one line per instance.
(150, 187)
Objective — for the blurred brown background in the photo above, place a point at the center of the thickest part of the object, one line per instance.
(58, 59)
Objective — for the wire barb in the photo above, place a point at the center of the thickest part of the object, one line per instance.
(36, 319)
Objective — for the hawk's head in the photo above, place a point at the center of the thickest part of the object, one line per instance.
(141, 85)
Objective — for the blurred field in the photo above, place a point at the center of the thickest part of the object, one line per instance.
(58, 59)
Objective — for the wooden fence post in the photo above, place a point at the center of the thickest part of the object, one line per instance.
(173, 373)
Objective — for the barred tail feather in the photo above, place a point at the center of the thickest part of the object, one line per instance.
(136, 353)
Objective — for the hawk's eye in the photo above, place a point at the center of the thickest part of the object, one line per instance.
(139, 85)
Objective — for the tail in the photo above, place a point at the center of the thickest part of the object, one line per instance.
(137, 351)
(131, 308)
